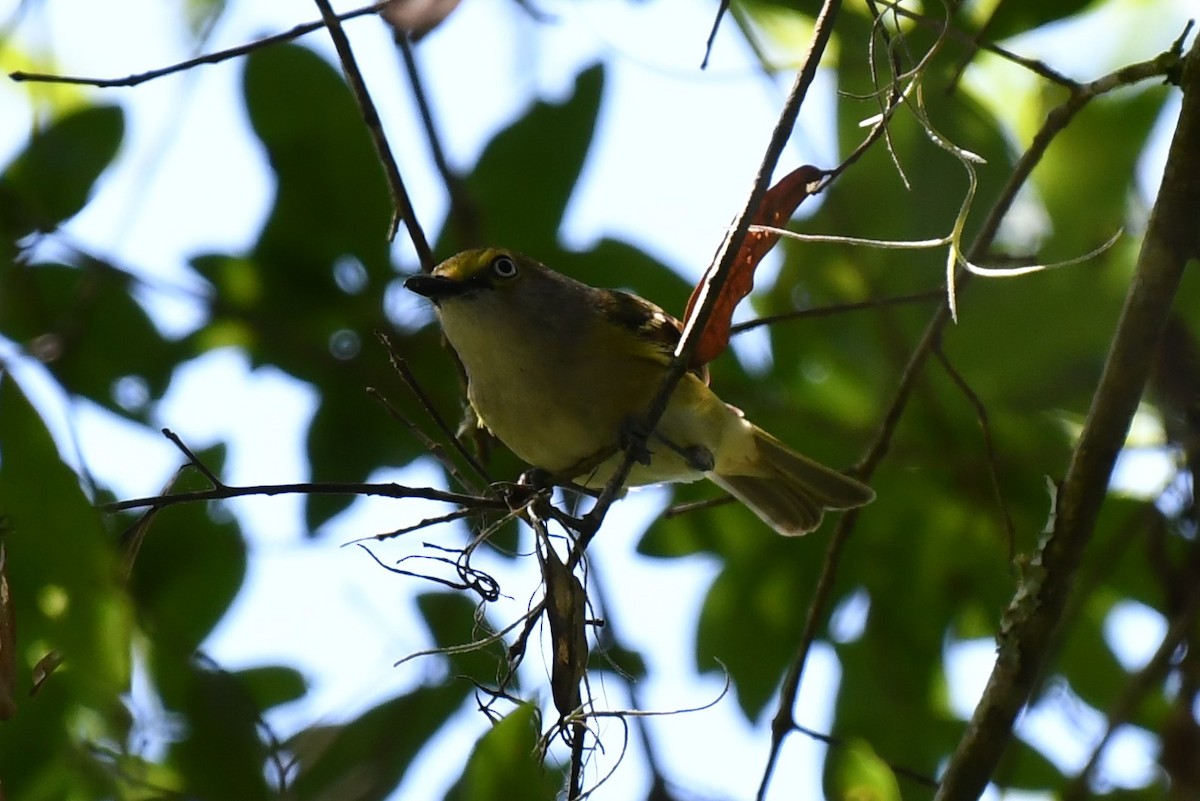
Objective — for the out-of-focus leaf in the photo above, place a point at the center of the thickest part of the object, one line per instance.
(186, 573)
(51, 179)
(505, 764)
(84, 324)
(309, 296)
(331, 199)
(271, 686)
(613, 656)
(202, 15)
(1002, 20)
(754, 611)
(43, 668)
(782, 31)
(365, 758)
(1087, 176)
(221, 754)
(63, 591)
(860, 775)
(1023, 767)
(523, 180)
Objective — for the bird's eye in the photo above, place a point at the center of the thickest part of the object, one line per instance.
(504, 267)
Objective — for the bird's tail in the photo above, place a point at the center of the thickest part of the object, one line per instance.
(789, 491)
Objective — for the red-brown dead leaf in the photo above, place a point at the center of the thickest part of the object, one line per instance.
(777, 207)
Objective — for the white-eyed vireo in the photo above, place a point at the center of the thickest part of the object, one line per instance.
(559, 371)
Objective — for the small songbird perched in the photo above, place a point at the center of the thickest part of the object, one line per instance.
(561, 372)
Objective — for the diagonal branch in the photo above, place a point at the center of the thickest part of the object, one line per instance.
(402, 209)
(714, 279)
(208, 58)
(1030, 624)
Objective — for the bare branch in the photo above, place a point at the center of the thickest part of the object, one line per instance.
(208, 58)
(1030, 624)
(226, 492)
(402, 205)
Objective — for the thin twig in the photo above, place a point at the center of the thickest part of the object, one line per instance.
(712, 34)
(989, 448)
(1039, 68)
(492, 594)
(834, 741)
(400, 365)
(226, 492)
(193, 460)
(449, 517)
(696, 506)
(402, 209)
(611, 635)
(208, 58)
(839, 308)
(432, 446)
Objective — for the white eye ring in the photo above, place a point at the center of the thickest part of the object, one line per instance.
(504, 267)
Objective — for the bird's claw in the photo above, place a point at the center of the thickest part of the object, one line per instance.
(633, 440)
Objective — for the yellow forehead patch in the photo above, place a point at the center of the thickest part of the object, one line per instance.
(463, 266)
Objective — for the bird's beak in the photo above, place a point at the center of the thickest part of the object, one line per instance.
(435, 287)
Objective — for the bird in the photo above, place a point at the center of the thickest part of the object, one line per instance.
(562, 373)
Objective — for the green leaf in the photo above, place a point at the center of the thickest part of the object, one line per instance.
(364, 759)
(1003, 20)
(504, 764)
(63, 585)
(52, 178)
(331, 199)
(520, 187)
(188, 569)
(451, 619)
(85, 325)
(754, 611)
(272, 686)
(221, 754)
(860, 775)
(1087, 176)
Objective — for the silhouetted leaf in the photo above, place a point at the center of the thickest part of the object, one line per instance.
(52, 178)
(505, 764)
(365, 758)
(63, 590)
